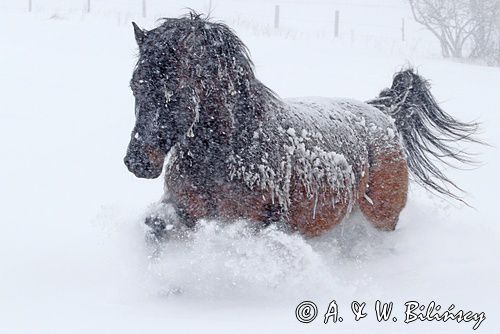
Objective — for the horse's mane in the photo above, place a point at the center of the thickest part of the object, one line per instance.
(223, 40)
(204, 22)
(219, 69)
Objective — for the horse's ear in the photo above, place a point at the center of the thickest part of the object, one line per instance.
(139, 34)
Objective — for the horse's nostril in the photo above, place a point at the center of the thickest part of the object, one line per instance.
(128, 162)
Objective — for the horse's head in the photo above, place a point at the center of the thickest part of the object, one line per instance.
(190, 75)
(154, 84)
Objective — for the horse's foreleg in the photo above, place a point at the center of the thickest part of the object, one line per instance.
(165, 218)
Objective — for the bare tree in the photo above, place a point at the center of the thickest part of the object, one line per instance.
(449, 20)
(464, 28)
(486, 37)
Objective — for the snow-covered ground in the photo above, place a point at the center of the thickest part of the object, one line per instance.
(72, 251)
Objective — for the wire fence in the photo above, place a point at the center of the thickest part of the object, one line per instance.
(386, 24)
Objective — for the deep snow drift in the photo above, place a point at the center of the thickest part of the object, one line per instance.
(72, 250)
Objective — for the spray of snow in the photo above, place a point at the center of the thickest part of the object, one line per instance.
(236, 261)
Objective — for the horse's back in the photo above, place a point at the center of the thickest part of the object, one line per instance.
(341, 114)
(343, 126)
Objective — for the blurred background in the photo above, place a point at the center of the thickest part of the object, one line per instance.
(386, 25)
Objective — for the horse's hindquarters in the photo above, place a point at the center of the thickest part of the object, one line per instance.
(386, 191)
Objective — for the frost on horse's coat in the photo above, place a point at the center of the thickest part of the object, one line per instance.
(309, 159)
(325, 143)
(239, 151)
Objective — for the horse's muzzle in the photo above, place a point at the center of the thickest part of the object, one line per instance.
(145, 165)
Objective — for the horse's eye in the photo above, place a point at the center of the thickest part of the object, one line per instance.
(134, 86)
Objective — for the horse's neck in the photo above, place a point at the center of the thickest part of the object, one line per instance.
(226, 130)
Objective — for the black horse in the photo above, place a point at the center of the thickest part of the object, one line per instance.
(237, 151)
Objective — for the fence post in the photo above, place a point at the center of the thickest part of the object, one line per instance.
(209, 7)
(143, 8)
(30, 6)
(277, 17)
(337, 23)
(88, 6)
(403, 37)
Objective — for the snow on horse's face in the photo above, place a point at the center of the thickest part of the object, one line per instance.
(187, 78)
(154, 81)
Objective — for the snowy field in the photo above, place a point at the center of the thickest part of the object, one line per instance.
(72, 251)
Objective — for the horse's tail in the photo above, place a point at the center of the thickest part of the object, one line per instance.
(426, 130)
